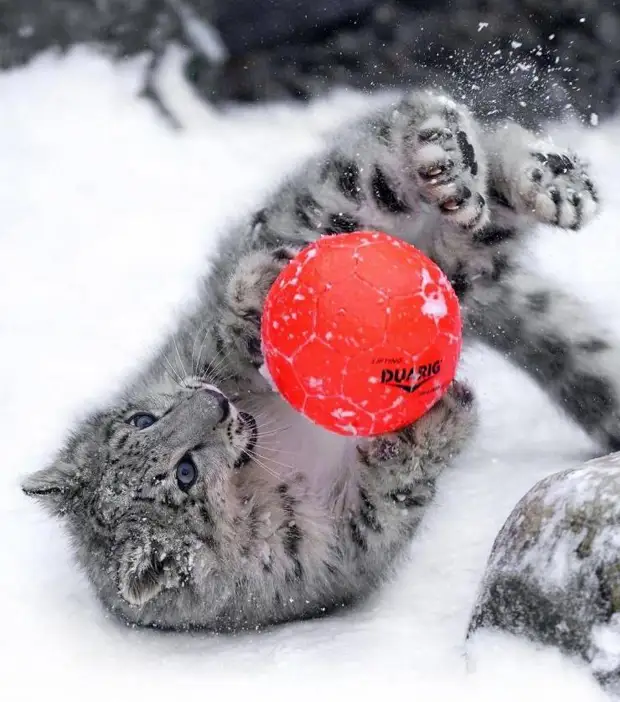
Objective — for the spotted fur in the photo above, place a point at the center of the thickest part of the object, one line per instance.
(225, 508)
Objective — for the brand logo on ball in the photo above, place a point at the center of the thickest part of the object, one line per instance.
(410, 380)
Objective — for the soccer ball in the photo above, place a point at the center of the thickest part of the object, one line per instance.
(361, 332)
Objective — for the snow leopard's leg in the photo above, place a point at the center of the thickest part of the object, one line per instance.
(553, 337)
(545, 331)
(416, 164)
(397, 476)
(239, 322)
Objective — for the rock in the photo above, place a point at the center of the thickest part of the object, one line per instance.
(554, 571)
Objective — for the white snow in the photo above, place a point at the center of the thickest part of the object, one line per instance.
(434, 303)
(106, 218)
(340, 413)
(606, 642)
(435, 306)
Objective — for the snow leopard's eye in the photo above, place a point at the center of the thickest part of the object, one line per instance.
(142, 420)
(186, 473)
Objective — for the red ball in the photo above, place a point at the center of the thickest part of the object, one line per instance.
(361, 333)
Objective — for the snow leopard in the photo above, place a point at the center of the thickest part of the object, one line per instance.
(197, 498)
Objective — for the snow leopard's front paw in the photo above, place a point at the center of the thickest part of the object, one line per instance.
(240, 325)
(429, 443)
(448, 164)
(557, 189)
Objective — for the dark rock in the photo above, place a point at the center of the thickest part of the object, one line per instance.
(554, 571)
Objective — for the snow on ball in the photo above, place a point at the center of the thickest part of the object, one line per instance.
(361, 333)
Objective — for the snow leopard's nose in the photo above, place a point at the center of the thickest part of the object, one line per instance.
(221, 402)
(204, 410)
(192, 422)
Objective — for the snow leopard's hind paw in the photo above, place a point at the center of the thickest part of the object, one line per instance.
(557, 188)
(447, 161)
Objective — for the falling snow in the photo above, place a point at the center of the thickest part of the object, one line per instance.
(101, 175)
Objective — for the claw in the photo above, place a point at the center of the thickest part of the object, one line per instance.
(434, 171)
(434, 133)
(454, 203)
(554, 194)
(451, 205)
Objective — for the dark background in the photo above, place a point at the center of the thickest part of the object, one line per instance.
(298, 49)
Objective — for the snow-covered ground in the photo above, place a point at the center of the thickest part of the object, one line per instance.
(106, 217)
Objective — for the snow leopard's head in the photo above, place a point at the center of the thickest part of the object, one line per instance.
(147, 491)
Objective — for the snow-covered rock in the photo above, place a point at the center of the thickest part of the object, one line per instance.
(554, 570)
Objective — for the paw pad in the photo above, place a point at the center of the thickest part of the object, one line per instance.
(556, 188)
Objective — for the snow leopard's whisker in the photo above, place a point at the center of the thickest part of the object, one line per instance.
(256, 452)
(200, 350)
(263, 465)
(176, 348)
(289, 452)
(211, 371)
(222, 364)
(259, 417)
(210, 366)
(195, 358)
(170, 371)
(267, 418)
(211, 377)
(272, 432)
(249, 404)
(263, 417)
(271, 460)
(267, 428)
(218, 380)
(255, 405)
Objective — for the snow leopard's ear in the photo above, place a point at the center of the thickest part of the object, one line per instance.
(53, 485)
(141, 574)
